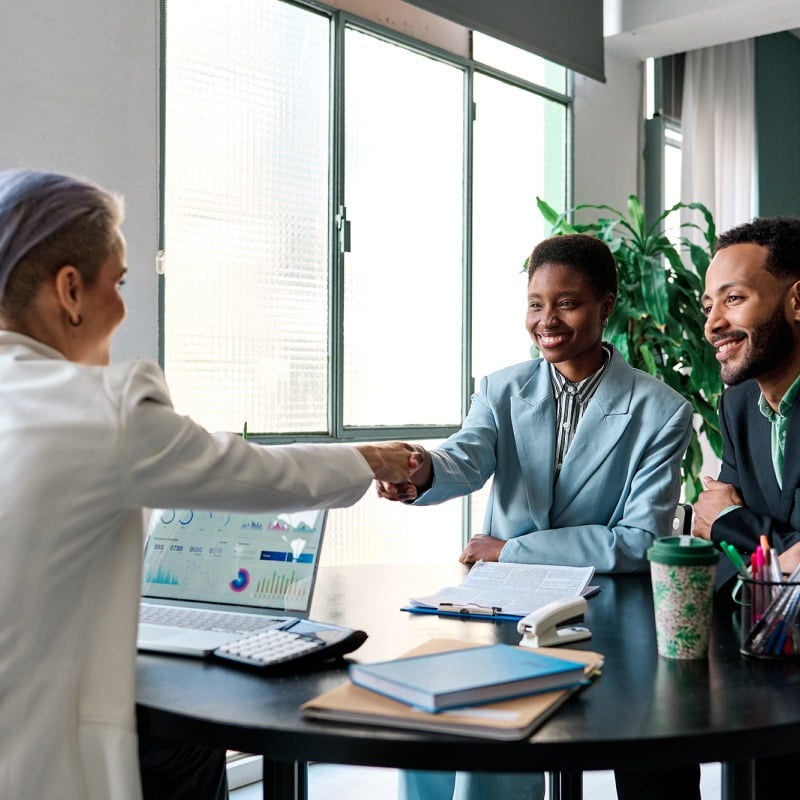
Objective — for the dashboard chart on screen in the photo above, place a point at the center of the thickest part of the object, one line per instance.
(262, 560)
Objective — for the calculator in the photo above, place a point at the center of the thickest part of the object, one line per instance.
(305, 644)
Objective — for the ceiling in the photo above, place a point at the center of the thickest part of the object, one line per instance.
(649, 28)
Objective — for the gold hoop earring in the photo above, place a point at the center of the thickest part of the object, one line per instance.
(76, 322)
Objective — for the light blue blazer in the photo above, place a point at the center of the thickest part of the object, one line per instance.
(619, 483)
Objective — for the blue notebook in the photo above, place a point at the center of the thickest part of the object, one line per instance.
(467, 677)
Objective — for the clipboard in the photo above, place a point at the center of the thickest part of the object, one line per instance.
(464, 612)
(504, 590)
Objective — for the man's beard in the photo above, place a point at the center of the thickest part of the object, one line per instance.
(770, 344)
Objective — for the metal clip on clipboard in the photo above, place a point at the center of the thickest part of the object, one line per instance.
(540, 628)
(469, 609)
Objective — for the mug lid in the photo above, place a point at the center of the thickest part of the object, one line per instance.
(683, 551)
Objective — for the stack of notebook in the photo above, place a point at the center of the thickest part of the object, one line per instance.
(511, 691)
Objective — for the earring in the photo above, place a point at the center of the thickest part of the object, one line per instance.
(604, 322)
(76, 322)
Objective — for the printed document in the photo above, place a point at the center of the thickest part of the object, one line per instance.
(514, 589)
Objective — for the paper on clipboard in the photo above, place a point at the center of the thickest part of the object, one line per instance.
(508, 589)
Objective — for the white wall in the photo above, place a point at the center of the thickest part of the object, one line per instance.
(607, 134)
(79, 94)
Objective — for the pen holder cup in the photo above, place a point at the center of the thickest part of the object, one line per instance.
(769, 616)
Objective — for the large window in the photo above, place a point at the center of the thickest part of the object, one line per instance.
(404, 193)
(346, 214)
(246, 180)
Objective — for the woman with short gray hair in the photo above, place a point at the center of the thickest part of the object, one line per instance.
(85, 446)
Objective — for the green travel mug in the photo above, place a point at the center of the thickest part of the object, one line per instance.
(682, 570)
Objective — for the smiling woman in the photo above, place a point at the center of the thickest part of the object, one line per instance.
(584, 452)
(570, 298)
(657, 324)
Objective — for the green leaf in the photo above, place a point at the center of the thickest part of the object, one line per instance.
(654, 288)
(636, 213)
(547, 211)
(558, 222)
(649, 361)
(700, 259)
(711, 231)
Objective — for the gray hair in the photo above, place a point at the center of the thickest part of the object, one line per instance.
(47, 221)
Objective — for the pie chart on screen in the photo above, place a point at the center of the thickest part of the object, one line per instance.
(241, 581)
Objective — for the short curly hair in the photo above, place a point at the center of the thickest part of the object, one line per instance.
(585, 254)
(781, 237)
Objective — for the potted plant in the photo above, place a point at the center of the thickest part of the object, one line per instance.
(657, 324)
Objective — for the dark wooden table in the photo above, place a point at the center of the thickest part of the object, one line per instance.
(644, 711)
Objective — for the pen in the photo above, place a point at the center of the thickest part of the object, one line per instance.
(736, 559)
(758, 573)
(775, 574)
(762, 630)
(787, 628)
(775, 638)
(758, 562)
(772, 570)
(762, 635)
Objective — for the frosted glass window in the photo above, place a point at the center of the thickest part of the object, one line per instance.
(404, 175)
(519, 153)
(264, 321)
(377, 531)
(246, 214)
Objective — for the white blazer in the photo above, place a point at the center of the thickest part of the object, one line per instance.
(82, 451)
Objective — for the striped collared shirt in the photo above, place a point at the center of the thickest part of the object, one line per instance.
(571, 401)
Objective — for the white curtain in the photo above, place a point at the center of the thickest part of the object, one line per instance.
(718, 164)
(718, 126)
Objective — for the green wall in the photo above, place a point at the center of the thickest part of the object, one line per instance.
(778, 124)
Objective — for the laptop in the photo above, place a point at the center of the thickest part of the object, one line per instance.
(210, 578)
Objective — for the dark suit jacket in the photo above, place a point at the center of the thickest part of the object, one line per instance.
(747, 465)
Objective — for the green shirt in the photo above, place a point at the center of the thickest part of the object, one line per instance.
(779, 421)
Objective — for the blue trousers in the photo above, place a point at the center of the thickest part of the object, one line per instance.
(424, 785)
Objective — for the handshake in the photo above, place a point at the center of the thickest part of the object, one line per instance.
(401, 470)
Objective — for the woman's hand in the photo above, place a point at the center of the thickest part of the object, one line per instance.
(482, 548)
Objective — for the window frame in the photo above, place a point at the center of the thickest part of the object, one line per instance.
(339, 21)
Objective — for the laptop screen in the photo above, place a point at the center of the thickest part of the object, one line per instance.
(256, 560)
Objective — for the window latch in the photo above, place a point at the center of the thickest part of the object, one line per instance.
(343, 227)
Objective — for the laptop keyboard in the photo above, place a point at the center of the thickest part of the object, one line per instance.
(199, 619)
